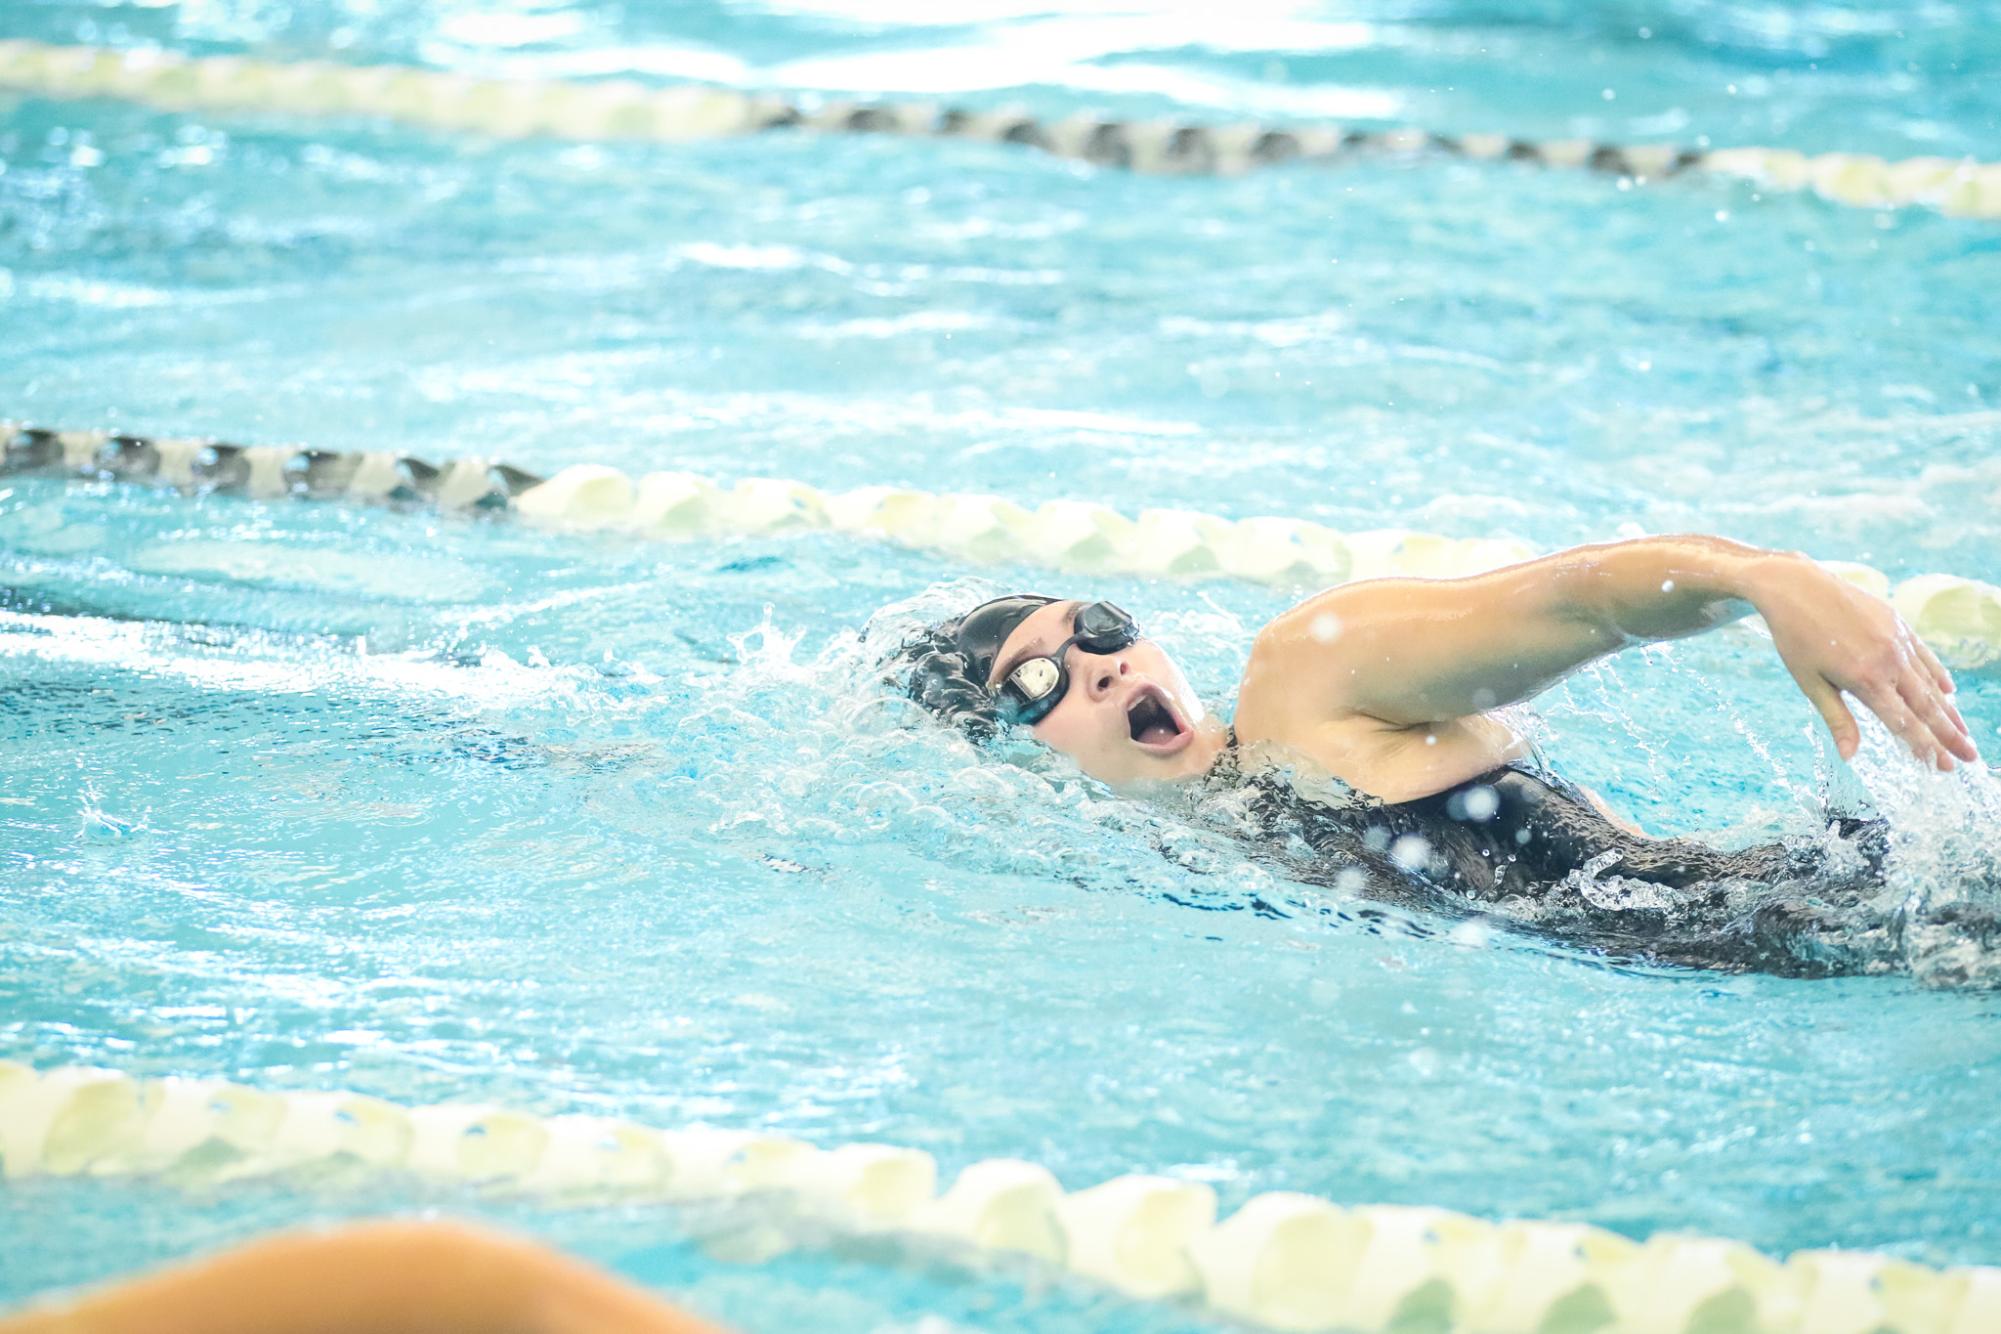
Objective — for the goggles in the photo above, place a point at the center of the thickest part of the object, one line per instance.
(1037, 685)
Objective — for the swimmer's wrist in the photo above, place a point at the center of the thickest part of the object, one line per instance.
(1765, 574)
(1731, 577)
(1686, 583)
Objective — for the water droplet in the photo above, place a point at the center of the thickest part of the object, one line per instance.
(1473, 934)
(1410, 852)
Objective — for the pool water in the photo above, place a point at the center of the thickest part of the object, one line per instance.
(313, 796)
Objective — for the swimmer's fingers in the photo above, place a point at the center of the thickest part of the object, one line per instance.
(1903, 724)
(1834, 711)
(1887, 703)
(1935, 715)
(1940, 676)
(1924, 683)
(1943, 679)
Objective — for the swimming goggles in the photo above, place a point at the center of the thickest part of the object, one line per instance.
(1037, 685)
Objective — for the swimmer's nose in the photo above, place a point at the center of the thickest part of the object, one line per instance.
(1107, 676)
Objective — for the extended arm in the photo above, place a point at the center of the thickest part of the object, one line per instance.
(1422, 650)
(1406, 653)
(377, 1278)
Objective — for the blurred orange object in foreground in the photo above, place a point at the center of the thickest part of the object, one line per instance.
(371, 1278)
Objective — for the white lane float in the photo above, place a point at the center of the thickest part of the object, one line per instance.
(1134, 1232)
(1959, 617)
(1283, 1260)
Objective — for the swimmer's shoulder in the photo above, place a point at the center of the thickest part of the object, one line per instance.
(1280, 708)
(1385, 761)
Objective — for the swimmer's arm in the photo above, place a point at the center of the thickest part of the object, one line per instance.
(375, 1278)
(1414, 651)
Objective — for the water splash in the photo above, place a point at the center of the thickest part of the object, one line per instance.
(99, 825)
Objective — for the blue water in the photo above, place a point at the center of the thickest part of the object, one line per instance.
(309, 796)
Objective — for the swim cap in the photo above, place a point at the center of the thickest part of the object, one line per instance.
(983, 630)
(949, 662)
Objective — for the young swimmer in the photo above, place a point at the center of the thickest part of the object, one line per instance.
(1390, 686)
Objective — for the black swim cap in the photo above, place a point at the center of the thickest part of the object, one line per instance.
(950, 662)
(983, 630)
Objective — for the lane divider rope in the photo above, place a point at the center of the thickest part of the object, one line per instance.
(1959, 617)
(626, 109)
(1285, 1260)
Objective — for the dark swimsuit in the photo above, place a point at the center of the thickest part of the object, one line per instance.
(1524, 846)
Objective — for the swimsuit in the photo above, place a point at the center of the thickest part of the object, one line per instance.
(1521, 845)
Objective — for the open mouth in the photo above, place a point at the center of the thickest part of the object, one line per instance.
(1152, 721)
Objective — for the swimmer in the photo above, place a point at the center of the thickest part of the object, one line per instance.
(1391, 686)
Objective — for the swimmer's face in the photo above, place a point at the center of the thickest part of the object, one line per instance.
(1127, 717)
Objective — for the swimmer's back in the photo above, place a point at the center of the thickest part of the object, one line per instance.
(1531, 849)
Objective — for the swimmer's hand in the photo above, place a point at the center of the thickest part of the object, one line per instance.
(1836, 639)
